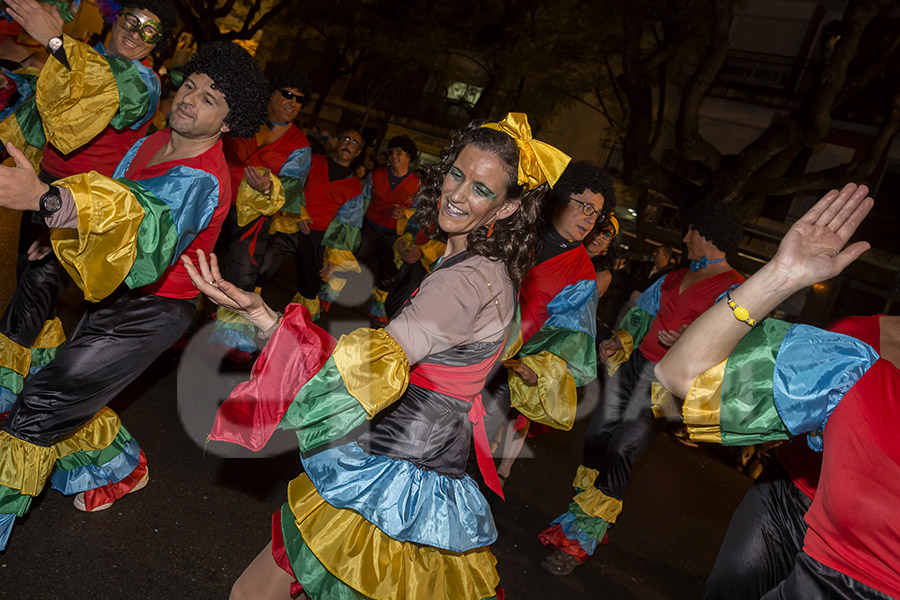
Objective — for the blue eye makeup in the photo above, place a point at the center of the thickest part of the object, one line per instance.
(484, 191)
(455, 173)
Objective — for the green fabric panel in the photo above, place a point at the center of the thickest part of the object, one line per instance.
(94, 457)
(748, 414)
(41, 356)
(11, 380)
(294, 199)
(575, 347)
(316, 580)
(156, 240)
(637, 322)
(14, 502)
(323, 410)
(134, 101)
(30, 122)
(341, 236)
(593, 527)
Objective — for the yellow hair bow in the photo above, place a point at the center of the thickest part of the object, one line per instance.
(615, 223)
(538, 161)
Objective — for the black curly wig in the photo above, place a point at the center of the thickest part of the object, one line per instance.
(717, 223)
(237, 75)
(165, 10)
(578, 177)
(514, 238)
(284, 76)
(406, 144)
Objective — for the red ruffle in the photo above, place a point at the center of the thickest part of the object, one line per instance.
(113, 491)
(553, 537)
(279, 552)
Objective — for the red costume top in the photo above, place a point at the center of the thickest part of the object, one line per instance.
(384, 199)
(677, 308)
(101, 154)
(244, 152)
(175, 282)
(324, 197)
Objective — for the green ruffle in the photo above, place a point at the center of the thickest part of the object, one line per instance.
(593, 527)
(11, 380)
(341, 236)
(94, 457)
(42, 356)
(637, 323)
(13, 501)
(748, 414)
(30, 122)
(323, 410)
(134, 101)
(156, 240)
(294, 199)
(575, 347)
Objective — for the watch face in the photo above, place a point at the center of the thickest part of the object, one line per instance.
(50, 203)
(54, 44)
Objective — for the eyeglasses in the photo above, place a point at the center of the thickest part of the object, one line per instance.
(150, 30)
(347, 139)
(607, 235)
(588, 210)
(291, 95)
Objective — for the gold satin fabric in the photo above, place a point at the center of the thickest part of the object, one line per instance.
(539, 162)
(553, 400)
(313, 306)
(252, 204)
(513, 348)
(52, 335)
(226, 315)
(23, 465)
(11, 132)
(621, 356)
(703, 404)
(343, 260)
(378, 566)
(373, 366)
(662, 401)
(96, 434)
(431, 251)
(592, 501)
(99, 254)
(76, 104)
(13, 356)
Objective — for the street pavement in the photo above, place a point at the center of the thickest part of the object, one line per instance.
(206, 512)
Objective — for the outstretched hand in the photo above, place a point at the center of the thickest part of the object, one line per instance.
(813, 249)
(41, 21)
(209, 281)
(20, 188)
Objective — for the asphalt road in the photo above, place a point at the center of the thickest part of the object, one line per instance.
(204, 516)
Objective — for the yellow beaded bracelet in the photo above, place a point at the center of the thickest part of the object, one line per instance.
(740, 313)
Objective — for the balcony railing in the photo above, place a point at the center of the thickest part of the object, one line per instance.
(767, 72)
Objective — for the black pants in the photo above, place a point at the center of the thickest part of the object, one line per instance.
(811, 580)
(377, 246)
(308, 255)
(243, 258)
(113, 343)
(621, 427)
(763, 540)
(39, 284)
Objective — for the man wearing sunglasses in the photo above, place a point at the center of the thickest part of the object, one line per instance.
(324, 231)
(88, 107)
(268, 172)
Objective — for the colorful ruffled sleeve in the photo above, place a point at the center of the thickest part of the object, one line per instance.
(341, 240)
(293, 175)
(636, 324)
(252, 204)
(563, 355)
(782, 380)
(21, 122)
(130, 231)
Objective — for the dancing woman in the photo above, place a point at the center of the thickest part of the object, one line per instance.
(392, 513)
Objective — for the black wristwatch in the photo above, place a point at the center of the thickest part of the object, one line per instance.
(50, 202)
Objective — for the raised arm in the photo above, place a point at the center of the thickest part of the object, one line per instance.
(809, 253)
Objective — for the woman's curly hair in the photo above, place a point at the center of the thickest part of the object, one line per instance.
(237, 75)
(514, 238)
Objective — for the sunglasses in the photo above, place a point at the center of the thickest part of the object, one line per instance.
(291, 95)
(149, 29)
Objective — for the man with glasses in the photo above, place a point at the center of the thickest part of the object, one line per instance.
(268, 172)
(558, 302)
(322, 231)
(88, 107)
(622, 425)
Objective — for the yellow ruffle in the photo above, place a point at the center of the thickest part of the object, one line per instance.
(226, 315)
(662, 401)
(11, 132)
(387, 373)
(431, 251)
(313, 306)
(380, 567)
(343, 260)
(403, 221)
(552, 401)
(76, 104)
(52, 335)
(379, 295)
(585, 477)
(287, 223)
(101, 251)
(96, 434)
(592, 501)
(13, 356)
(252, 204)
(702, 405)
(516, 345)
(621, 356)
(23, 465)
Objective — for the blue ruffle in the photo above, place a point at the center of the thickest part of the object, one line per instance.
(6, 523)
(233, 338)
(813, 370)
(572, 531)
(93, 476)
(7, 397)
(405, 502)
(650, 298)
(574, 307)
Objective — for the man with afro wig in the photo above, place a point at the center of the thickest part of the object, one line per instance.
(120, 239)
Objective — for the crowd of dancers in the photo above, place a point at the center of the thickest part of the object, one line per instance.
(487, 275)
